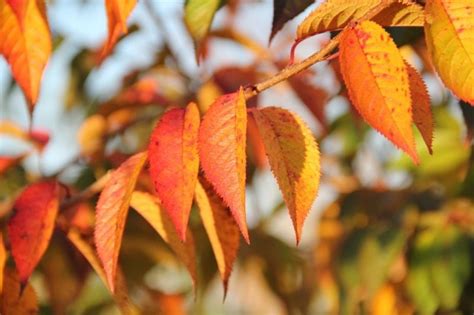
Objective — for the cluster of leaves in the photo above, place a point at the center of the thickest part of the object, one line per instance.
(197, 155)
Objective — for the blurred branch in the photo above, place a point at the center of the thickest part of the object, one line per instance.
(88, 193)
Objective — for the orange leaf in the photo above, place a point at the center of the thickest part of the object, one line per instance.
(221, 229)
(336, 14)
(3, 260)
(222, 140)
(111, 213)
(8, 161)
(294, 158)
(174, 163)
(377, 81)
(120, 294)
(117, 14)
(31, 226)
(92, 136)
(25, 41)
(256, 146)
(16, 301)
(422, 116)
(449, 31)
(148, 206)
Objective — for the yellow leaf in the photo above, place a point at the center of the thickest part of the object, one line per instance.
(25, 41)
(336, 14)
(117, 14)
(376, 77)
(148, 206)
(294, 158)
(384, 301)
(14, 300)
(449, 31)
(111, 213)
(221, 229)
(422, 115)
(120, 293)
(91, 135)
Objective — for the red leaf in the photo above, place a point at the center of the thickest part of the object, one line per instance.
(31, 226)
(112, 209)
(174, 163)
(222, 139)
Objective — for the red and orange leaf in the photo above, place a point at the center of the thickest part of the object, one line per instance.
(220, 227)
(336, 14)
(25, 41)
(255, 144)
(148, 206)
(117, 14)
(294, 158)
(3, 260)
(377, 81)
(16, 301)
(222, 140)
(422, 115)
(174, 163)
(31, 226)
(111, 213)
(449, 31)
(120, 294)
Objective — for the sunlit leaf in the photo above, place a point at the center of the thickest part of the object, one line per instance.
(294, 158)
(25, 41)
(148, 206)
(31, 226)
(285, 10)
(449, 30)
(120, 293)
(222, 143)
(15, 301)
(91, 135)
(174, 163)
(371, 64)
(221, 229)
(422, 116)
(117, 14)
(111, 213)
(336, 14)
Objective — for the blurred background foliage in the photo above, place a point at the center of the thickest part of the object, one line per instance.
(385, 236)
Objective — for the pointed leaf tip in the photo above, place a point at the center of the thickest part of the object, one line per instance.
(32, 224)
(174, 163)
(222, 145)
(111, 213)
(294, 159)
(370, 63)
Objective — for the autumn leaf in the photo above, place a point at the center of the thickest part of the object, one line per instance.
(222, 141)
(91, 136)
(421, 103)
(449, 30)
(117, 14)
(31, 226)
(111, 213)
(120, 292)
(25, 41)
(174, 163)
(8, 161)
(255, 144)
(285, 10)
(371, 65)
(294, 158)
(198, 16)
(336, 14)
(148, 206)
(16, 301)
(221, 229)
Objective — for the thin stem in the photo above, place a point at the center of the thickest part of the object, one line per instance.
(88, 193)
(321, 55)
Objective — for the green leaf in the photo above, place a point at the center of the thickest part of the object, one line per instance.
(198, 16)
